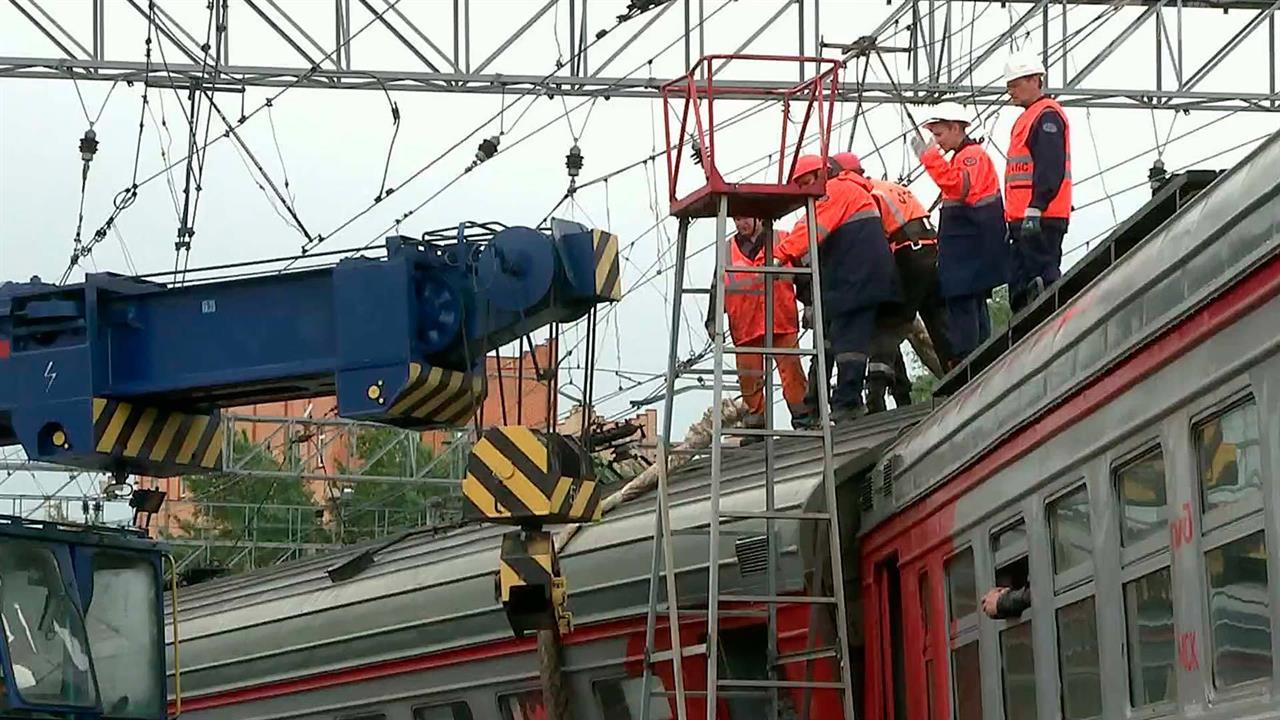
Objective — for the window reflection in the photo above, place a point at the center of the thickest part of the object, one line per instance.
(1018, 671)
(1081, 677)
(1140, 485)
(1152, 650)
(967, 676)
(962, 589)
(43, 628)
(1239, 611)
(1069, 526)
(1229, 457)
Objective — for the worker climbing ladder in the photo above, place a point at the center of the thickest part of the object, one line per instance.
(818, 681)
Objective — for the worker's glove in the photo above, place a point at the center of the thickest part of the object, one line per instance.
(1031, 224)
(806, 317)
(917, 143)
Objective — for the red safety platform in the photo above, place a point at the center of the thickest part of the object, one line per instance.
(691, 96)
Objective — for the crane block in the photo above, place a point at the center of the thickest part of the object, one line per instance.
(530, 586)
(520, 476)
(127, 375)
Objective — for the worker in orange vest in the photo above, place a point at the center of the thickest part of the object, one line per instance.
(1037, 182)
(914, 245)
(973, 249)
(858, 274)
(744, 303)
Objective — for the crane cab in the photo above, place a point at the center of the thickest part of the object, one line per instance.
(82, 619)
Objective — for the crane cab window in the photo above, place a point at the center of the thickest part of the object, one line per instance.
(449, 711)
(1017, 661)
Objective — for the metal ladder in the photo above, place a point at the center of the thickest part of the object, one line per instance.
(664, 570)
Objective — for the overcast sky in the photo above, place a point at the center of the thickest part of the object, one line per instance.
(332, 147)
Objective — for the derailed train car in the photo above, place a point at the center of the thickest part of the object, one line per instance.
(1114, 452)
(420, 635)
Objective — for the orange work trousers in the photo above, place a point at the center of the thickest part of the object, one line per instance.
(751, 375)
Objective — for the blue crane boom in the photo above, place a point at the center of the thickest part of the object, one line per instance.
(126, 375)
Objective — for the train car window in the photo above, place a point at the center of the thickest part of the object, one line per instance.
(622, 698)
(744, 656)
(1152, 644)
(524, 705)
(1069, 529)
(1018, 672)
(1080, 674)
(1239, 610)
(967, 685)
(1009, 545)
(1010, 540)
(962, 586)
(1229, 458)
(449, 711)
(1143, 503)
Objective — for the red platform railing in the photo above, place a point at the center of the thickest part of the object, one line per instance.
(697, 90)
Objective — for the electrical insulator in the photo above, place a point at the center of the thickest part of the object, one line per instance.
(573, 161)
(88, 145)
(696, 148)
(488, 148)
(1156, 175)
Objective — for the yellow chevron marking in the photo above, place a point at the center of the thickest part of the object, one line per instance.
(455, 382)
(544, 560)
(512, 479)
(466, 402)
(114, 426)
(479, 496)
(140, 432)
(415, 369)
(508, 578)
(215, 448)
(558, 495)
(166, 437)
(606, 262)
(584, 496)
(98, 406)
(418, 393)
(192, 439)
(523, 438)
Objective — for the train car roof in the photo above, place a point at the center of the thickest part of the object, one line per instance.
(1206, 245)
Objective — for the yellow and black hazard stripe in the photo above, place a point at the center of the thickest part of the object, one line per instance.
(165, 437)
(438, 396)
(521, 476)
(608, 265)
(527, 559)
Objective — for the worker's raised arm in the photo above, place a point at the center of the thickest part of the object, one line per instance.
(832, 211)
(950, 177)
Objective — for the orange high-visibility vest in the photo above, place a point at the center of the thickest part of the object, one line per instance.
(898, 205)
(744, 299)
(1020, 168)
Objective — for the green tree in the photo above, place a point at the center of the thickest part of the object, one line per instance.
(232, 506)
(372, 509)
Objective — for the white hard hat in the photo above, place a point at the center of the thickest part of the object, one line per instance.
(1021, 65)
(949, 112)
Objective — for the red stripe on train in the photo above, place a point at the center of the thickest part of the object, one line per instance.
(500, 648)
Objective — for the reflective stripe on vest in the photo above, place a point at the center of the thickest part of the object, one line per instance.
(993, 197)
(1020, 168)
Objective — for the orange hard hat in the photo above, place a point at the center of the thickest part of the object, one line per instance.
(848, 162)
(807, 164)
